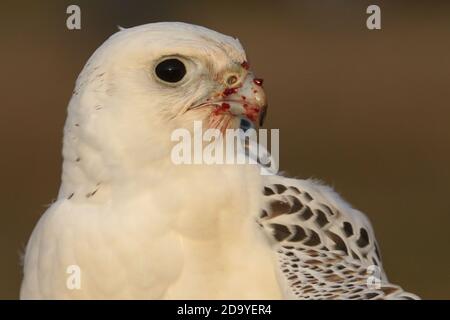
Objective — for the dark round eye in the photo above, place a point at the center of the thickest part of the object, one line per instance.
(170, 70)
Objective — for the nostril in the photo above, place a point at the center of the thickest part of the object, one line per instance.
(232, 80)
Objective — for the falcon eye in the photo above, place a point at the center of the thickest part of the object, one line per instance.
(170, 70)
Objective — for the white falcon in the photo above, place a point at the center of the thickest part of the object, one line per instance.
(137, 226)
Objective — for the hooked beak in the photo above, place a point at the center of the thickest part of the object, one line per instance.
(246, 101)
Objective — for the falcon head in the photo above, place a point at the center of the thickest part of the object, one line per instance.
(177, 72)
(146, 81)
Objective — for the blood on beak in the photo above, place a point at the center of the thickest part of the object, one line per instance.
(246, 100)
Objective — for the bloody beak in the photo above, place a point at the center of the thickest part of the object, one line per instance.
(247, 100)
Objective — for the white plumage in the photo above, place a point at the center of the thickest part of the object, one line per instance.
(139, 226)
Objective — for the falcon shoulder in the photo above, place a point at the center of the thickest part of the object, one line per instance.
(324, 248)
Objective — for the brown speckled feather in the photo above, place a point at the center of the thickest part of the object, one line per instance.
(325, 249)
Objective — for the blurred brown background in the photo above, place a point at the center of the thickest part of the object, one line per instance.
(366, 111)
